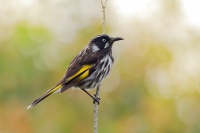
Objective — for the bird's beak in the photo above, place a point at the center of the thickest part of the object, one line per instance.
(113, 39)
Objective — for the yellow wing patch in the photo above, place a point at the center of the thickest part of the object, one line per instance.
(85, 74)
(84, 68)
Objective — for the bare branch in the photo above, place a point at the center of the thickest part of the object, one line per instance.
(96, 111)
(104, 16)
(98, 87)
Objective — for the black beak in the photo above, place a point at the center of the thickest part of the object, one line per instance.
(113, 39)
(118, 38)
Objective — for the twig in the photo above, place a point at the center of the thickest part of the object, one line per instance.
(96, 111)
(98, 87)
(104, 16)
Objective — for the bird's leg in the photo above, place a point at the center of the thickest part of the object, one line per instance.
(95, 98)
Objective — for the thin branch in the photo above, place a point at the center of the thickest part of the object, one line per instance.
(98, 87)
(96, 111)
(104, 16)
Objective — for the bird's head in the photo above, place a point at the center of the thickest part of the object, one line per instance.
(103, 41)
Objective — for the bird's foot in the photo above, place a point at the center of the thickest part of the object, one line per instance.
(96, 99)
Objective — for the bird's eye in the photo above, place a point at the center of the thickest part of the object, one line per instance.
(103, 40)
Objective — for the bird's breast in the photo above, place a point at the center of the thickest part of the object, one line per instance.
(102, 68)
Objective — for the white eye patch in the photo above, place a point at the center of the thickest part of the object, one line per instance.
(95, 48)
(103, 40)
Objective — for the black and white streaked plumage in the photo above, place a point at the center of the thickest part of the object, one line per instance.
(88, 68)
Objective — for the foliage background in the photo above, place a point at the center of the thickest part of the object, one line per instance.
(152, 88)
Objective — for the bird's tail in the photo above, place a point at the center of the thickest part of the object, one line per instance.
(48, 93)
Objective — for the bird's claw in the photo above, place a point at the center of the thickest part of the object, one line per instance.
(96, 99)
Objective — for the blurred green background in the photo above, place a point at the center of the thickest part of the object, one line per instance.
(152, 88)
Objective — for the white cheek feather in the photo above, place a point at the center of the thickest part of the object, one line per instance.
(107, 44)
(94, 48)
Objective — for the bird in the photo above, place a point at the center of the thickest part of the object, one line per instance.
(87, 69)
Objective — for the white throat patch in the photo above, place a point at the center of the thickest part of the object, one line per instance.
(94, 48)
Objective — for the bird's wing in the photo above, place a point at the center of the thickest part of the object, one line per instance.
(79, 69)
(72, 76)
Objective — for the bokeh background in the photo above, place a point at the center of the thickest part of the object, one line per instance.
(154, 86)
